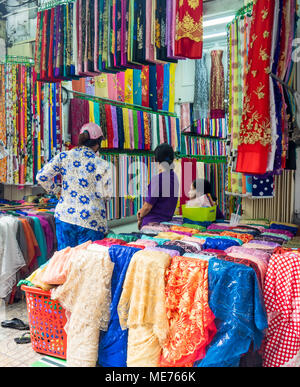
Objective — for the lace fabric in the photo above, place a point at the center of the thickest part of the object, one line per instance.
(86, 296)
(191, 320)
(11, 257)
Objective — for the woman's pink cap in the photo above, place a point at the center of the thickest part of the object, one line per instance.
(94, 130)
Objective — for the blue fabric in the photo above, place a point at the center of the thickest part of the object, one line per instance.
(113, 343)
(236, 300)
(71, 235)
(283, 227)
(220, 243)
(137, 87)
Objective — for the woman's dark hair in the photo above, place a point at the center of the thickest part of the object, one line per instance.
(164, 153)
(84, 140)
(204, 184)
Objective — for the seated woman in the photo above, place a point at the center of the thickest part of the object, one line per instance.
(163, 190)
(200, 188)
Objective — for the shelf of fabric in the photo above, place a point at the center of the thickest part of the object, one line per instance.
(88, 37)
(125, 128)
(216, 127)
(203, 146)
(206, 159)
(29, 121)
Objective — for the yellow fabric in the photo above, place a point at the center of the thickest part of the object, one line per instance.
(143, 305)
(128, 98)
(144, 349)
(126, 129)
(172, 88)
(35, 279)
(172, 236)
(101, 86)
(91, 112)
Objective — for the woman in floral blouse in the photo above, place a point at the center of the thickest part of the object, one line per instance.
(80, 214)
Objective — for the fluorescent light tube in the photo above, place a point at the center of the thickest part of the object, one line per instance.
(221, 20)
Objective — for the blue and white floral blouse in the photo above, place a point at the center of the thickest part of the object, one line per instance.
(86, 184)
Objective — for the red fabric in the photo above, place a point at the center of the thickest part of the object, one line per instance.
(189, 29)
(44, 43)
(281, 296)
(255, 131)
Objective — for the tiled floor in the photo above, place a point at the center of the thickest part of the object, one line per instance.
(12, 354)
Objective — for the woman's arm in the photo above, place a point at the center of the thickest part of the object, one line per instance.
(144, 210)
(46, 175)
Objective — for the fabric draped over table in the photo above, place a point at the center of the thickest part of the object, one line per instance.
(237, 304)
(113, 342)
(281, 295)
(142, 309)
(191, 321)
(86, 297)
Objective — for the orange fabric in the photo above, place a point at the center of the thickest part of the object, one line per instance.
(243, 237)
(190, 318)
(185, 229)
(57, 268)
(32, 244)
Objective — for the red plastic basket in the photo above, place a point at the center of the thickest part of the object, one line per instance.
(46, 322)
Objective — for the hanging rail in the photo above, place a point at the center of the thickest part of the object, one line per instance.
(117, 103)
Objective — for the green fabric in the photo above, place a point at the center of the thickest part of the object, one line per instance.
(26, 283)
(195, 226)
(41, 240)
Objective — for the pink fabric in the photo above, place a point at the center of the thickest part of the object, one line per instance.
(57, 268)
(110, 241)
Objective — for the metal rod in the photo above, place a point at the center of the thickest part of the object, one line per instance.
(119, 103)
(283, 83)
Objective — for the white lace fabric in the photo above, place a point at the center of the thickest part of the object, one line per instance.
(86, 297)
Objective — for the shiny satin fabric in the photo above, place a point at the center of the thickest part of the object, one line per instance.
(237, 303)
(113, 342)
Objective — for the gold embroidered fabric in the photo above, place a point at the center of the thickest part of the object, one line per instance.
(189, 28)
(86, 296)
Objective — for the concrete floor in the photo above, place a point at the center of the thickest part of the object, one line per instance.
(12, 354)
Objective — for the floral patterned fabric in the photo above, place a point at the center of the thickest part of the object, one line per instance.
(191, 320)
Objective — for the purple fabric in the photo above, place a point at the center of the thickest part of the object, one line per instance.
(266, 243)
(218, 227)
(115, 126)
(246, 253)
(163, 196)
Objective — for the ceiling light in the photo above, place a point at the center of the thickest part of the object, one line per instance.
(211, 36)
(220, 20)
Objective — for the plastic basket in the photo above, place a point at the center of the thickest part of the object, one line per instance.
(200, 214)
(46, 320)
